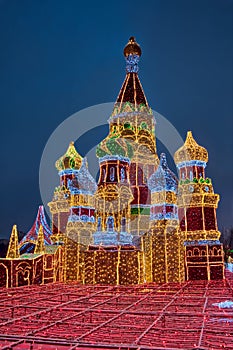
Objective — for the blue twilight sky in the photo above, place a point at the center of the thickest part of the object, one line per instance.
(60, 56)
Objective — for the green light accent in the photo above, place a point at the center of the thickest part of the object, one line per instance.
(130, 150)
(127, 126)
(142, 211)
(100, 152)
(144, 125)
(115, 148)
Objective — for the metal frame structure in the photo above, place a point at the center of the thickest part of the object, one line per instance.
(148, 316)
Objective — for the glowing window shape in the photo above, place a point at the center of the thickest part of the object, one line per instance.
(191, 175)
(196, 252)
(123, 224)
(122, 174)
(112, 174)
(103, 174)
(110, 224)
(99, 224)
(215, 251)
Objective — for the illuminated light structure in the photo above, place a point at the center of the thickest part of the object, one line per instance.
(197, 205)
(132, 119)
(13, 248)
(66, 316)
(114, 195)
(40, 247)
(81, 221)
(164, 244)
(45, 265)
(67, 166)
(28, 242)
(133, 227)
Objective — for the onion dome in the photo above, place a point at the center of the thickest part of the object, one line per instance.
(163, 179)
(190, 151)
(115, 147)
(132, 48)
(70, 160)
(83, 182)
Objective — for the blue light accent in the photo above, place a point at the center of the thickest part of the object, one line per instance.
(163, 179)
(83, 183)
(80, 207)
(203, 242)
(161, 216)
(113, 157)
(81, 218)
(106, 238)
(191, 163)
(68, 172)
(132, 63)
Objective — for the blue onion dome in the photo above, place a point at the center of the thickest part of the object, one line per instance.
(114, 146)
(163, 179)
(83, 182)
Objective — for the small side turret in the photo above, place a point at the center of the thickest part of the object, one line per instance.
(40, 247)
(13, 247)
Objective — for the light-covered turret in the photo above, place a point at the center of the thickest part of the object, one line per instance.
(67, 166)
(81, 221)
(197, 204)
(163, 186)
(163, 244)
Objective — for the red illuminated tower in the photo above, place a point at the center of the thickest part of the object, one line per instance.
(197, 205)
(132, 127)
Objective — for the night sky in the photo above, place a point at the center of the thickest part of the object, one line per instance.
(58, 57)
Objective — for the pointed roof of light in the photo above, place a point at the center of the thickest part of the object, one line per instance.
(163, 179)
(40, 248)
(70, 160)
(13, 247)
(32, 234)
(190, 151)
(131, 96)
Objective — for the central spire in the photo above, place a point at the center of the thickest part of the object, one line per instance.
(131, 96)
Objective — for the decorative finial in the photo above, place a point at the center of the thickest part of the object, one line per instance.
(132, 53)
(132, 48)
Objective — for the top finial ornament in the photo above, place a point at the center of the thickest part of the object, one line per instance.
(132, 53)
(132, 48)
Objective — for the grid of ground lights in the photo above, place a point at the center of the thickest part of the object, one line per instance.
(194, 314)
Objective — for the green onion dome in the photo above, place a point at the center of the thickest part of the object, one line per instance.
(70, 160)
(114, 146)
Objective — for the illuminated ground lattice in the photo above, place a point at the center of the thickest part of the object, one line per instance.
(71, 316)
